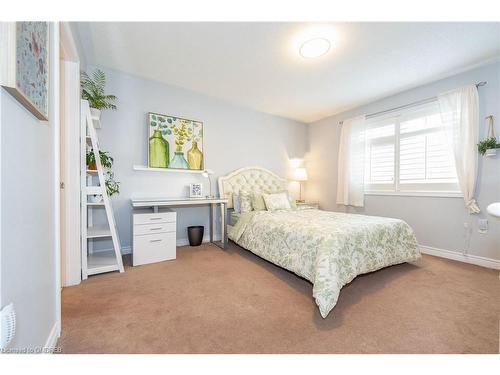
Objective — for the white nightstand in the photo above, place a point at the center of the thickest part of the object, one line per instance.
(308, 205)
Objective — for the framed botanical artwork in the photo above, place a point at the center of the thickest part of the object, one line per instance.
(175, 142)
(195, 190)
(24, 64)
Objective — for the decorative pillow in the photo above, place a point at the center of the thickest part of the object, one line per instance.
(245, 201)
(293, 204)
(258, 203)
(278, 201)
(236, 203)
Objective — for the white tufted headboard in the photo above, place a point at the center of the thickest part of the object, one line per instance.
(251, 179)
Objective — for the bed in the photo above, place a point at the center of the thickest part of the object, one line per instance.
(327, 248)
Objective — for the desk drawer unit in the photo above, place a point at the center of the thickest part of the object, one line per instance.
(154, 237)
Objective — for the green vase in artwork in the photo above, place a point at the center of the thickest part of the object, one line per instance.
(195, 157)
(179, 161)
(159, 154)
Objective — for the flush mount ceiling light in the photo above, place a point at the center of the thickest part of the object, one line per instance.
(314, 48)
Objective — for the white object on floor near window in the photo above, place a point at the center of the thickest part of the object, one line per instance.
(407, 153)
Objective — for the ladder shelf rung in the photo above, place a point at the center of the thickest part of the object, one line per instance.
(98, 232)
(94, 190)
(101, 261)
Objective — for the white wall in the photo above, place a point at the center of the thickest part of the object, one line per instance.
(28, 250)
(438, 222)
(234, 137)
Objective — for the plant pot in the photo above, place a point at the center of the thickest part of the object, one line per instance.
(96, 117)
(96, 113)
(92, 166)
(490, 152)
(195, 235)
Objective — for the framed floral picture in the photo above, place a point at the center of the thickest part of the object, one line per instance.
(195, 190)
(24, 64)
(175, 142)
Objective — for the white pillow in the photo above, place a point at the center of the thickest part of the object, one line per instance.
(236, 203)
(278, 201)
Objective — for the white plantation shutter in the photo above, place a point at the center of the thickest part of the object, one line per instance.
(425, 156)
(381, 168)
(380, 151)
(412, 162)
(409, 152)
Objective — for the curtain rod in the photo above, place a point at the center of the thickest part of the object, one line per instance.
(418, 102)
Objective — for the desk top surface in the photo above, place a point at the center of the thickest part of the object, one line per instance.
(159, 201)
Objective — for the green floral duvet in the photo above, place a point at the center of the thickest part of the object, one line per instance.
(327, 248)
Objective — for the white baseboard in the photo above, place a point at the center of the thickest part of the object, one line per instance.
(448, 254)
(180, 242)
(125, 250)
(185, 241)
(54, 334)
(466, 258)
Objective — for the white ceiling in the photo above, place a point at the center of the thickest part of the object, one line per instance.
(257, 65)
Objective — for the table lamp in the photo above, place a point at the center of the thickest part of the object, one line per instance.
(206, 173)
(300, 174)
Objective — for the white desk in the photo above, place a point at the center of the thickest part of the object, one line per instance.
(155, 203)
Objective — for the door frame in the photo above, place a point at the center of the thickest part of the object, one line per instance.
(70, 158)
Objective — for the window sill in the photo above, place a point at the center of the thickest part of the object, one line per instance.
(439, 194)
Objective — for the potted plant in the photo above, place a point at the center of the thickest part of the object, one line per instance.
(112, 186)
(488, 146)
(106, 160)
(92, 89)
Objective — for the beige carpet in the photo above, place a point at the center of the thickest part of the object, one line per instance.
(215, 301)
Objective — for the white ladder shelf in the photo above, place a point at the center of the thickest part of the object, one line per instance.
(94, 262)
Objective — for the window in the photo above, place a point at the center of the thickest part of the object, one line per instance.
(407, 153)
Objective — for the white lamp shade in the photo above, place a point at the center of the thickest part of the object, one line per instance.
(300, 174)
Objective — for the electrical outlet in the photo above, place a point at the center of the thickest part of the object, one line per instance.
(483, 225)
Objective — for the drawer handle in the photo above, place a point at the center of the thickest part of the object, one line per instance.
(155, 240)
(156, 228)
(155, 218)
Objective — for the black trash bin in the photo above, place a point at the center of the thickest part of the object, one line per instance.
(195, 235)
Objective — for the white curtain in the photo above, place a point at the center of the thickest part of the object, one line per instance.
(351, 164)
(460, 117)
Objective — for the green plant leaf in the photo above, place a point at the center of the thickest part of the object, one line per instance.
(487, 144)
(92, 89)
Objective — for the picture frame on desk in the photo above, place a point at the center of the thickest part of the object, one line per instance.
(196, 190)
